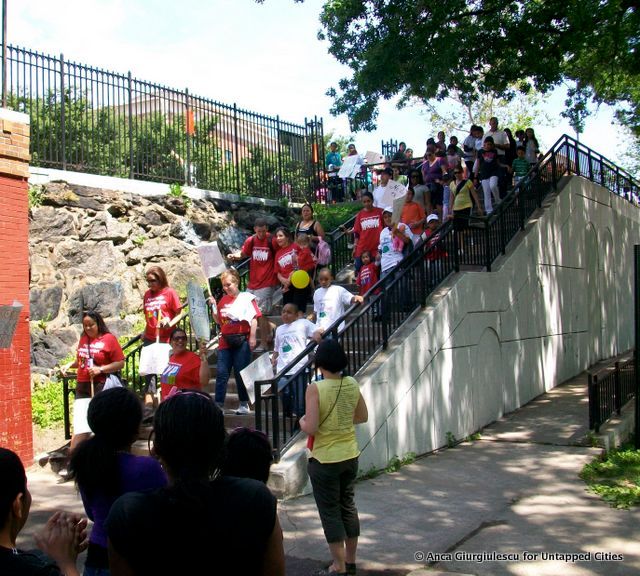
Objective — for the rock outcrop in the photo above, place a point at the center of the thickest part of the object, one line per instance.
(89, 249)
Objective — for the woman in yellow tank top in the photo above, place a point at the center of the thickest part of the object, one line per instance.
(333, 406)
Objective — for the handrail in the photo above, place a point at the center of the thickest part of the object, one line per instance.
(397, 296)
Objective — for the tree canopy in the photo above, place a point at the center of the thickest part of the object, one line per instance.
(428, 50)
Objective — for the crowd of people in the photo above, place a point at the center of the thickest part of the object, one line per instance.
(203, 486)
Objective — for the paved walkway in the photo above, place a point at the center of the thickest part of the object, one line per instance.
(514, 492)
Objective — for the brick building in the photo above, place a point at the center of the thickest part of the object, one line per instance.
(15, 385)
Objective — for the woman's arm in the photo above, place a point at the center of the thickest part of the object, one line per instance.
(361, 413)
(203, 374)
(252, 333)
(273, 561)
(309, 422)
(319, 230)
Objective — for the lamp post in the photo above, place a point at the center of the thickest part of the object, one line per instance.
(636, 254)
(4, 53)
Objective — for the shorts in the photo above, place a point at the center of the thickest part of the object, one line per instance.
(264, 298)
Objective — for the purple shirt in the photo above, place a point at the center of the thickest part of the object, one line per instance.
(137, 474)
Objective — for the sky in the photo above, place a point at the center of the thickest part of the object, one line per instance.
(264, 57)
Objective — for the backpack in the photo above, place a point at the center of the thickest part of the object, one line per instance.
(323, 253)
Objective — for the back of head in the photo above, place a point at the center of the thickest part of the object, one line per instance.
(189, 437)
(249, 455)
(331, 356)
(13, 481)
(114, 416)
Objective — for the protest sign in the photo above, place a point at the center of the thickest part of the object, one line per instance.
(213, 263)
(350, 166)
(198, 315)
(260, 369)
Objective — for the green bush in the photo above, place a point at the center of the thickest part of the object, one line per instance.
(333, 215)
(47, 404)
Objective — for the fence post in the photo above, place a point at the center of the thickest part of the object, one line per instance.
(65, 403)
(590, 164)
(235, 141)
(456, 252)
(487, 253)
(130, 91)
(258, 406)
(577, 159)
(617, 391)
(280, 180)
(189, 127)
(63, 137)
(594, 424)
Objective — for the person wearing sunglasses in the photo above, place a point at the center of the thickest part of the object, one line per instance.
(160, 305)
(186, 370)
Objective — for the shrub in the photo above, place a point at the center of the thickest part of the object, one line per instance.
(47, 404)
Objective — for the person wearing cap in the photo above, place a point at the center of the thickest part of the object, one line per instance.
(394, 239)
(378, 194)
(335, 184)
(433, 255)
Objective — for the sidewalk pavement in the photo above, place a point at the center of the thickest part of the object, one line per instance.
(514, 492)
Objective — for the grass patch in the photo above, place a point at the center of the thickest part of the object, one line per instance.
(393, 466)
(616, 477)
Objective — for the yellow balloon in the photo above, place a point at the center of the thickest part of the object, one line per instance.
(300, 279)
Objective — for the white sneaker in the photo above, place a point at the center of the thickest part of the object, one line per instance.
(243, 409)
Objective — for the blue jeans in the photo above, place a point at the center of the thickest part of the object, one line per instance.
(293, 396)
(238, 359)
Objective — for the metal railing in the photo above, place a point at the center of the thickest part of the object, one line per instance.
(609, 391)
(368, 327)
(91, 120)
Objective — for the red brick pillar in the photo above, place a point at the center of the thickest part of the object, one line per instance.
(15, 374)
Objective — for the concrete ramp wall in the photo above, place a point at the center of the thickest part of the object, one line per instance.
(560, 299)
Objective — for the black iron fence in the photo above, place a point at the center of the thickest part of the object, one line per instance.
(368, 327)
(609, 391)
(90, 120)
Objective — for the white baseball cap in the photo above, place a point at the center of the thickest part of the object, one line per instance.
(432, 217)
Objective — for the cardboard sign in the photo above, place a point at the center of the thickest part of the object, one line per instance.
(398, 205)
(213, 263)
(392, 191)
(350, 166)
(374, 158)
(80, 410)
(259, 369)
(198, 315)
(154, 358)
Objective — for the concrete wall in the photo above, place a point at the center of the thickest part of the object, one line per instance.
(488, 343)
(15, 386)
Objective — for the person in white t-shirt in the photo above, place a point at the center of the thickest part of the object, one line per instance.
(378, 193)
(500, 138)
(393, 239)
(292, 337)
(330, 301)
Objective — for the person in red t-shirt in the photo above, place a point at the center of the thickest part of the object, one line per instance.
(366, 228)
(237, 316)
(160, 305)
(98, 355)
(368, 274)
(261, 248)
(286, 265)
(186, 370)
(306, 261)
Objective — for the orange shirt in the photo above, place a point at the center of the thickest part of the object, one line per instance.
(412, 212)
